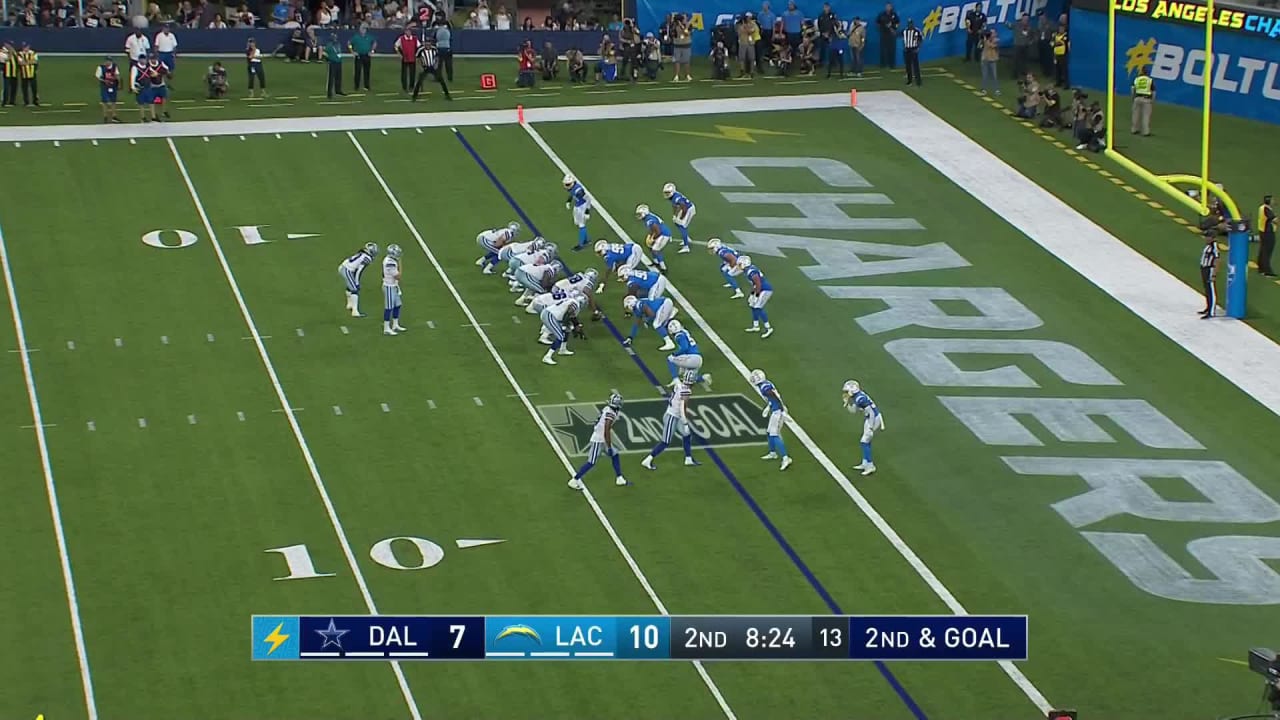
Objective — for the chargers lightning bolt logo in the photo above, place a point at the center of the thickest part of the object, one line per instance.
(519, 630)
(738, 134)
(1139, 56)
(276, 638)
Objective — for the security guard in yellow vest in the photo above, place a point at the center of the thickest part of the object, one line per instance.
(9, 67)
(1060, 47)
(1266, 225)
(28, 64)
(1144, 93)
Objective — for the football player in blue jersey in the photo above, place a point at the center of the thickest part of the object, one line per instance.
(761, 291)
(855, 401)
(643, 283)
(683, 210)
(655, 313)
(580, 204)
(776, 413)
(657, 234)
(687, 358)
(617, 256)
(602, 442)
(728, 265)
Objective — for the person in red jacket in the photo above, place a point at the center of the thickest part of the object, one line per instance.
(528, 59)
(407, 48)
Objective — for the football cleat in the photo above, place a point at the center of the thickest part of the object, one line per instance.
(683, 249)
(868, 469)
(620, 481)
(575, 483)
(767, 332)
(786, 463)
(737, 293)
(860, 465)
(771, 456)
(667, 345)
(690, 462)
(647, 463)
(754, 328)
(706, 382)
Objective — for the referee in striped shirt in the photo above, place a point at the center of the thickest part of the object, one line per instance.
(429, 64)
(911, 39)
(1209, 272)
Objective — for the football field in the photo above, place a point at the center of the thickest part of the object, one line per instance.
(196, 432)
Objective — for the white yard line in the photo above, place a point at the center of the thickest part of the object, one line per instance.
(881, 524)
(533, 413)
(51, 489)
(288, 411)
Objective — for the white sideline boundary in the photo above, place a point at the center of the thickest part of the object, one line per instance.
(533, 413)
(46, 466)
(469, 118)
(1233, 349)
(290, 414)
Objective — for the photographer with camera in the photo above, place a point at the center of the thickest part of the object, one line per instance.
(1052, 108)
(989, 50)
(629, 49)
(651, 54)
(748, 36)
(720, 61)
(1094, 131)
(1029, 98)
(681, 47)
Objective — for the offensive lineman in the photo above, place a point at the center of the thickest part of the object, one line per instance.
(602, 442)
(391, 291)
(776, 412)
(580, 203)
(683, 211)
(554, 320)
(536, 279)
(351, 269)
(675, 419)
(856, 400)
(492, 241)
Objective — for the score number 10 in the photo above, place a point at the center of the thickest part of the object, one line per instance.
(647, 640)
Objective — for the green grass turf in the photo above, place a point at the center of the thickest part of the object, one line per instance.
(168, 531)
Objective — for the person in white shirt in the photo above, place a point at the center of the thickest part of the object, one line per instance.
(166, 44)
(482, 15)
(136, 46)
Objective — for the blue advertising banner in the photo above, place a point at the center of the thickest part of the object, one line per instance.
(941, 24)
(111, 40)
(1246, 67)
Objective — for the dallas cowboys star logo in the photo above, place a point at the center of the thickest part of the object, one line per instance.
(332, 635)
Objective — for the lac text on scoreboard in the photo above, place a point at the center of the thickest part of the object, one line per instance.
(635, 637)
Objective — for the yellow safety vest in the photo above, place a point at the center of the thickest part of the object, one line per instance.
(1142, 86)
(1059, 44)
(1262, 225)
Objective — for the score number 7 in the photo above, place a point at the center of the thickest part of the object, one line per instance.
(457, 631)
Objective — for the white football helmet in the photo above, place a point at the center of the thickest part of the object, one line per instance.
(551, 249)
(513, 227)
(756, 377)
(394, 250)
(668, 190)
(624, 273)
(601, 246)
(642, 210)
(371, 248)
(851, 387)
(615, 401)
(539, 243)
(674, 326)
(629, 303)
(591, 276)
(689, 377)
(714, 244)
(569, 180)
(744, 261)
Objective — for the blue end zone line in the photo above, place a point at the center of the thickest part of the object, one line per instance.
(715, 457)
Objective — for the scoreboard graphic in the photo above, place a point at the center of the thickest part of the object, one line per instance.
(637, 637)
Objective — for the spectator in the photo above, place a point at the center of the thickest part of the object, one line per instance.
(483, 15)
(153, 14)
(748, 35)
(681, 48)
(792, 19)
(549, 62)
(615, 25)
(218, 23)
(527, 25)
(527, 60)
(216, 81)
(720, 62)
(989, 49)
(186, 16)
(65, 15)
(136, 47)
(324, 15)
(279, 14)
(577, 65)
(766, 19)
(502, 20)
(472, 23)
(651, 56)
(91, 17)
(549, 23)
(1029, 100)
(857, 43)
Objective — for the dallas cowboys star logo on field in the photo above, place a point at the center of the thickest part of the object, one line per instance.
(332, 635)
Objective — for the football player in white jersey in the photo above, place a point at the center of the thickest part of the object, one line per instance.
(510, 250)
(391, 291)
(675, 419)
(855, 400)
(537, 279)
(350, 271)
(492, 241)
(602, 442)
(555, 320)
(541, 256)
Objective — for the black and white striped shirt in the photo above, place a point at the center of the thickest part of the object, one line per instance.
(1209, 257)
(428, 56)
(911, 39)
